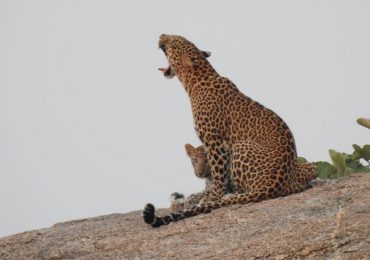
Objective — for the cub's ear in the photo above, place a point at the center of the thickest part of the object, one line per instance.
(206, 54)
(201, 149)
(189, 149)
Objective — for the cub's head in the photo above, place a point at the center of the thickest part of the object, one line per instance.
(198, 157)
(182, 55)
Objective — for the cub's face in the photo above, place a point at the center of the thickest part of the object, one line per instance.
(198, 157)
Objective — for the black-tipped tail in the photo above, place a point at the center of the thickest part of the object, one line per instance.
(151, 219)
(231, 199)
(148, 214)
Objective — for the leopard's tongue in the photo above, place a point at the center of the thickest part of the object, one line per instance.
(163, 69)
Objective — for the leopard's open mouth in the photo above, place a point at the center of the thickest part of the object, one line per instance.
(168, 71)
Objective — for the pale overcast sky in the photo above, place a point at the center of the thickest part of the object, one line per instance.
(89, 126)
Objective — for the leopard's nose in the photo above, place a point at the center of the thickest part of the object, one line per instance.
(163, 37)
(162, 40)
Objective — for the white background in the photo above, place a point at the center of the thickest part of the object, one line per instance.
(89, 126)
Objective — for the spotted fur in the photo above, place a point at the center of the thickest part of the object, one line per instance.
(241, 137)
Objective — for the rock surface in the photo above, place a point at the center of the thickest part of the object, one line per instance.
(330, 220)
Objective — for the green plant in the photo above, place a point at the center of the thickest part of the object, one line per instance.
(364, 122)
(344, 164)
(363, 152)
(301, 160)
(325, 170)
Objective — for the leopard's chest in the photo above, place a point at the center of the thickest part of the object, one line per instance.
(197, 129)
(208, 109)
(205, 127)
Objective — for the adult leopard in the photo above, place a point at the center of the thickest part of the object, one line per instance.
(240, 135)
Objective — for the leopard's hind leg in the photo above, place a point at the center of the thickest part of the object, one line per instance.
(303, 174)
(259, 168)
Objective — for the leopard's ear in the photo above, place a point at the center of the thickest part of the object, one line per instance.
(206, 54)
(192, 61)
(189, 149)
(195, 58)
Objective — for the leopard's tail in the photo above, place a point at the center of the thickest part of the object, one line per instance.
(306, 172)
(301, 177)
(155, 221)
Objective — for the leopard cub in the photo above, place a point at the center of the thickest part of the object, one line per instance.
(202, 170)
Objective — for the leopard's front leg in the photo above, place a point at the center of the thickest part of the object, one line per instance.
(219, 160)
